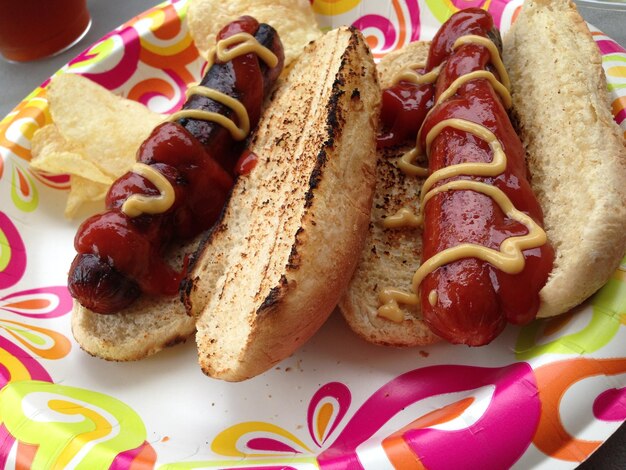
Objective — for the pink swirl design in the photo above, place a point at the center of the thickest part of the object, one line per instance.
(24, 453)
(496, 8)
(396, 31)
(264, 443)
(6, 442)
(124, 69)
(341, 394)
(146, 90)
(608, 46)
(140, 458)
(461, 4)
(34, 369)
(182, 85)
(611, 405)
(381, 23)
(42, 302)
(620, 116)
(52, 181)
(414, 18)
(144, 97)
(508, 428)
(12, 253)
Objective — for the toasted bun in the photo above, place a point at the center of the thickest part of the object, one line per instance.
(147, 326)
(274, 268)
(390, 257)
(576, 153)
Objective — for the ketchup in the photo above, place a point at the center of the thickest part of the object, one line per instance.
(134, 246)
(246, 162)
(468, 21)
(121, 257)
(405, 105)
(474, 300)
(456, 217)
(245, 78)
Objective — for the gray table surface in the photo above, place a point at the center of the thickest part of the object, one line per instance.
(17, 80)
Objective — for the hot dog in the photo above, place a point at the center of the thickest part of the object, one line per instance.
(181, 181)
(485, 257)
(178, 187)
(482, 222)
(254, 288)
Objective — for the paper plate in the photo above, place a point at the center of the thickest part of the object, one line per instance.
(543, 396)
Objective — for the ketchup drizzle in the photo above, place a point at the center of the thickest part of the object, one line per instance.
(246, 162)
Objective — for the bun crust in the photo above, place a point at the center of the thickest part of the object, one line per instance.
(390, 257)
(273, 269)
(576, 153)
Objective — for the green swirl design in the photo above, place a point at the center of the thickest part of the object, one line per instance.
(70, 426)
(608, 304)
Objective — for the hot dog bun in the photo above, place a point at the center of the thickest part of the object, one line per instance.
(391, 256)
(576, 159)
(134, 328)
(146, 327)
(576, 152)
(274, 267)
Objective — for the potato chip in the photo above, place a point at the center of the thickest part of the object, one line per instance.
(293, 19)
(83, 191)
(108, 128)
(53, 154)
(70, 163)
(94, 137)
(48, 139)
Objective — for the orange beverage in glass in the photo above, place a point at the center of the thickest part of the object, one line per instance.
(31, 29)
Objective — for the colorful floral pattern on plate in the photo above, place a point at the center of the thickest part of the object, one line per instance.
(546, 394)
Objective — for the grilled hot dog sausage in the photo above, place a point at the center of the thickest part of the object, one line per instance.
(485, 256)
(182, 177)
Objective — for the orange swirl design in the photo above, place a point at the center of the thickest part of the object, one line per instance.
(401, 24)
(44, 342)
(18, 127)
(553, 380)
(396, 447)
(170, 53)
(150, 87)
